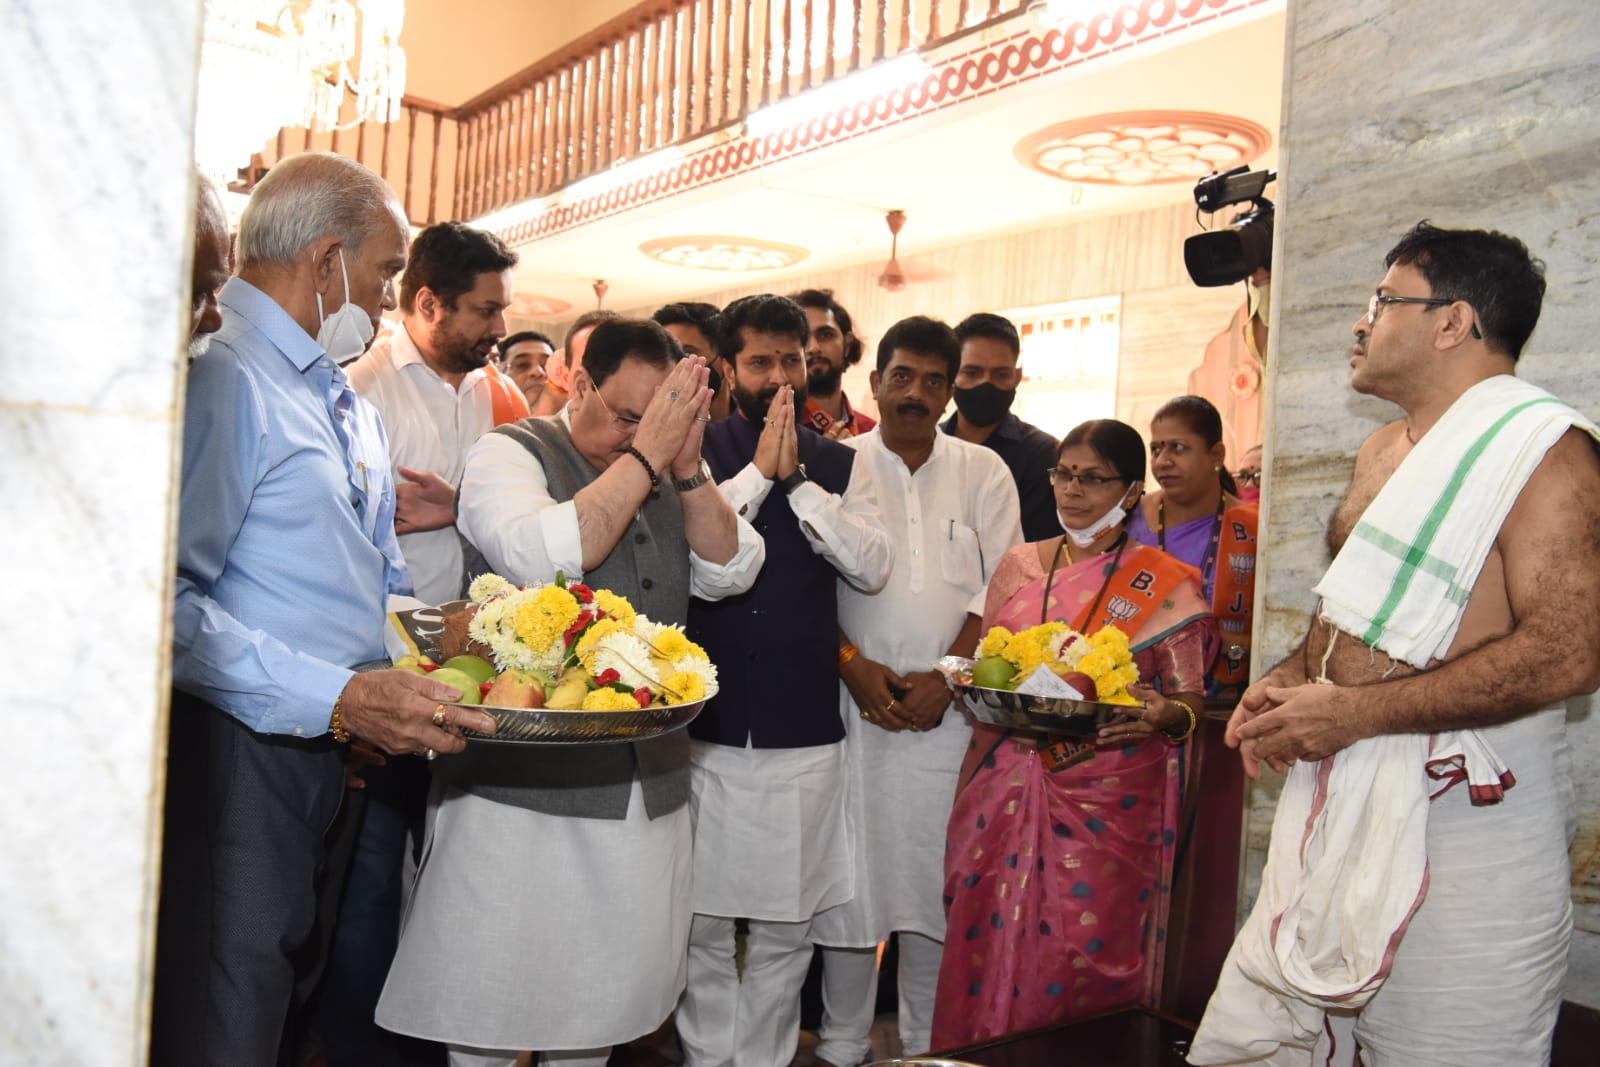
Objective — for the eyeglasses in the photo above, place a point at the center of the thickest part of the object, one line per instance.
(1245, 478)
(625, 423)
(1059, 476)
(1380, 300)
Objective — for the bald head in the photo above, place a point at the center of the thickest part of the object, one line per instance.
(210, 263)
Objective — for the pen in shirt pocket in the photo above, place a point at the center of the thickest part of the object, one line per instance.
(977, 538)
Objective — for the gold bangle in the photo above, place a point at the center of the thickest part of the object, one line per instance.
(847, 653)
(336, 722)
(1194, 720)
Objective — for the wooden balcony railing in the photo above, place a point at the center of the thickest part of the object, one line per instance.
(662, 73)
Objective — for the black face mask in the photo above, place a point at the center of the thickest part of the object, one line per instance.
(986, 404)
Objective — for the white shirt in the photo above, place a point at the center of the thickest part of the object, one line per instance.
(430, 426)
(844, 529)
(950, 521)
(526, 535)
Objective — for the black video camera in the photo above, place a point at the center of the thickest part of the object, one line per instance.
(1236, 251)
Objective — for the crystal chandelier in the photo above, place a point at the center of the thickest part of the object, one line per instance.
(268, 64)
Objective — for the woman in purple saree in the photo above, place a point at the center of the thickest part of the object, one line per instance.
(1056, 881)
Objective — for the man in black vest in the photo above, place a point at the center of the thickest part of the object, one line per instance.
(767, 755)
(552, 909)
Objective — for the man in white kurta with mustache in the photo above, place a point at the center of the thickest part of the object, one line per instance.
(951, 511)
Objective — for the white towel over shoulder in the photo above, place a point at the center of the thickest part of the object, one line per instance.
(1401, 581)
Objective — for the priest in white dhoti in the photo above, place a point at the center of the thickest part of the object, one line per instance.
(951, 509)
(551, 909)
(1416, 909)
(768, 751)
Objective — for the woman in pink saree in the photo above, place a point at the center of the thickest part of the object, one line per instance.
(1056, 880)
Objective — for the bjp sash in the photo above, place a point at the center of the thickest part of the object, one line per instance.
(1132, 596)
(1233, 594)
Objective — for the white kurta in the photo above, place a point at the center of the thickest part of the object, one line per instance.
(770, 839)
(534, 931)
(430, 425)
(529, 930)
(950, 521)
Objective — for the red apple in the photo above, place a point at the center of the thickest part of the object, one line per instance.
(1082, 683)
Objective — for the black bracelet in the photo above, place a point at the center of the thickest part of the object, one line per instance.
(655, 481)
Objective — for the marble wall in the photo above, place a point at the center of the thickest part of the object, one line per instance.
(1463, 115)
(95, 245)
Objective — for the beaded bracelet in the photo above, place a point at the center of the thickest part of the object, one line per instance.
(655, 480)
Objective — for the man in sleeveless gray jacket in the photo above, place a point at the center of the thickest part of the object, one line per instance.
(551, 911)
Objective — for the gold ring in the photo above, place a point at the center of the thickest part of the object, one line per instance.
(890, 706)
(438, 715)
(864, 714)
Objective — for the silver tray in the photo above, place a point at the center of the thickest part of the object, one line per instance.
(1050, 715)
(549, 726)
(1023, 711)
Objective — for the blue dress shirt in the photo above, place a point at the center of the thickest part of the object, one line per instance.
(286, 543)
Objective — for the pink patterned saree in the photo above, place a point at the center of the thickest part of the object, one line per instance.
(1056, 882)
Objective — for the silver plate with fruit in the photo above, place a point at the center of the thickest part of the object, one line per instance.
(551, 726)
(506, 697)
(1024, 711)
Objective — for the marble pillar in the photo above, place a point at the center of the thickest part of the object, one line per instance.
(1467, 116)
(95, 228)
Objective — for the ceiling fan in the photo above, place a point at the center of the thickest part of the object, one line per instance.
(895, 277)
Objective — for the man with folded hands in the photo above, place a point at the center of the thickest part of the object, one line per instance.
(767, 778)
(1421, 719)
(551, 911)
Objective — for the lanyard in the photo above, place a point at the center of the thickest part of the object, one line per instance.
(1055, 560)
(1208, 565)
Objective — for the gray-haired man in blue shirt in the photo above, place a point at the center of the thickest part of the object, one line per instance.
(286, 553)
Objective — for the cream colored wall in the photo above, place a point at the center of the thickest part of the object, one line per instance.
(455, 51)
(1166, 320)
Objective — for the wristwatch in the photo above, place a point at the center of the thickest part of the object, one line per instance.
(793, 479)
(695, 480)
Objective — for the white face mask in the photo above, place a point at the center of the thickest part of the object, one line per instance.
(1089, 535)
(346, 333)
